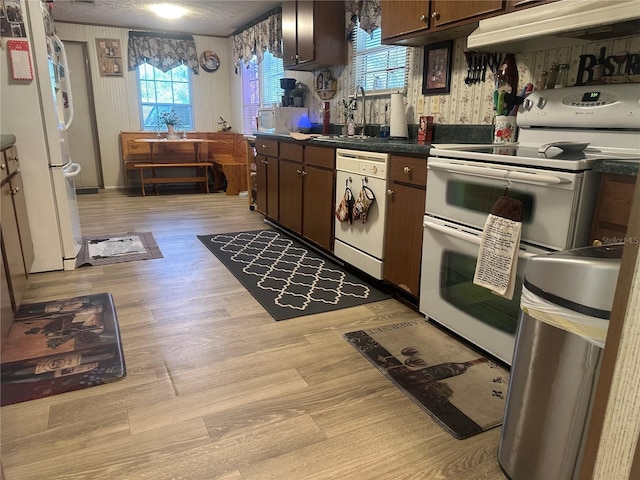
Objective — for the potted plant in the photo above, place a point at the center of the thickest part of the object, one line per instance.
(172, 121)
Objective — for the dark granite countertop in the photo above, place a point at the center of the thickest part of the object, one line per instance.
(7, 140)
(442, 134)
(620, 167)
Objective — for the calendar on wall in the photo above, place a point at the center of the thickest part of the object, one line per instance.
(109, 57)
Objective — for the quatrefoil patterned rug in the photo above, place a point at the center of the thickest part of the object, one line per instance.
(288, 279)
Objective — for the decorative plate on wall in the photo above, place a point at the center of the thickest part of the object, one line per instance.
(209, 61)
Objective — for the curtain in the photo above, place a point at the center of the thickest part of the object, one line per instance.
(162, 50)
(365, 11)
(262, 35)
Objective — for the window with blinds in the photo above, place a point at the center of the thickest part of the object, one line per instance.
(378, 68)
(260, 87)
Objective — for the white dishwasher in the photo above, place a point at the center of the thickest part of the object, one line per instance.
(359, 240)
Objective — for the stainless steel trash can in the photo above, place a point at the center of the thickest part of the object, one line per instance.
(566, 302)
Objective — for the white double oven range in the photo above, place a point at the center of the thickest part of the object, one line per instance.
(562, 133)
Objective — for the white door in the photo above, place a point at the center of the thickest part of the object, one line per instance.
(83, 146)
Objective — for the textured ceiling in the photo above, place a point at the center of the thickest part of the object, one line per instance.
(204, 17)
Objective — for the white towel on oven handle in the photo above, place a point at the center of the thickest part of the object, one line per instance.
(498, 256)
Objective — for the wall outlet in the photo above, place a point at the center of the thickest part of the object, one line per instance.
(420, 107)
(435, 104)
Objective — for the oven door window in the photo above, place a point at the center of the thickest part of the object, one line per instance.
(458, 289)
(481, 198)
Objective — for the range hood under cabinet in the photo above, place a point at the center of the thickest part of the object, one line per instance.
(556, 24)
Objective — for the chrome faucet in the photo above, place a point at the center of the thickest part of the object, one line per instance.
(363, 126)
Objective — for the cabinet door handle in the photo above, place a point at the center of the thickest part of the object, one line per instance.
(299, 172)
(266, 162)
(435, 15)
(390, 192)
(406, 169)
(266, 147)
(3, 167)
(304, 173)
(423, 18)
(14, 191)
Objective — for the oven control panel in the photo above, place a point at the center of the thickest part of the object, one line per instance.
(591, 106)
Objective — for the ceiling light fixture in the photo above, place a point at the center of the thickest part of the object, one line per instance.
(166, 10)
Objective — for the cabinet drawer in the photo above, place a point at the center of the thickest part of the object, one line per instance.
(11, 160)
(291, 151)
(267, 147)
(410, 170)
(320, 156)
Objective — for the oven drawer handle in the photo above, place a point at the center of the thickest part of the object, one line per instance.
(467, 237)
(496, 173)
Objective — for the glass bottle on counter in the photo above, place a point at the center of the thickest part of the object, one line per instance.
(598, 68)
(563, 76)
(507, 75)
(553, 76)
(541, 82)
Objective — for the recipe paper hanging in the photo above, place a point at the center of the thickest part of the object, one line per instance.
(500, 241)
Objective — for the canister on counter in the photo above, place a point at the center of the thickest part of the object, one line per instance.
(563, 76)
(553, 76)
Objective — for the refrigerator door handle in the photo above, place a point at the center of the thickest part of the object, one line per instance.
(72, 170)
(67, 80)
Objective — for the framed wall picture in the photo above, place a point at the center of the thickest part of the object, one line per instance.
(436, 77)
(109, 57)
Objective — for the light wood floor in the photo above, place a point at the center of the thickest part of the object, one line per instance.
(215, 388)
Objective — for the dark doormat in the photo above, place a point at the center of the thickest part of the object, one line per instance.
(287, 278)
(461, 390)
(117, 248)
(59, 346)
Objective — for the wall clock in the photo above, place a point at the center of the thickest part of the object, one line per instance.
(209, 61)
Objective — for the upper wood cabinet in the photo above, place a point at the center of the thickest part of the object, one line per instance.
(404, 17)
(446, 12)
(313, 35)
(407, 22)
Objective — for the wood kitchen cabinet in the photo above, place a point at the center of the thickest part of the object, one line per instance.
(446, 12)
(405, 212)
(267, 177)
(406, 22)
(307, 191)
(291, 169)
(17, 247)
(613, 207)
(313, 34)
(402, 17)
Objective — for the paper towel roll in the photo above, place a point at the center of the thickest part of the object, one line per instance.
(398, 122)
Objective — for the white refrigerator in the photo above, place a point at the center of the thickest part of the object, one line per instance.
(38, 112)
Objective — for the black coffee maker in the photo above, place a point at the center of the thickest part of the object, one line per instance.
(287, 84)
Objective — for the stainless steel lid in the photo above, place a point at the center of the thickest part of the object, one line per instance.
(582, 279)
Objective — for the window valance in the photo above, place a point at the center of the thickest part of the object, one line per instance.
(264, 33)
(162, 50)
(365, 11)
